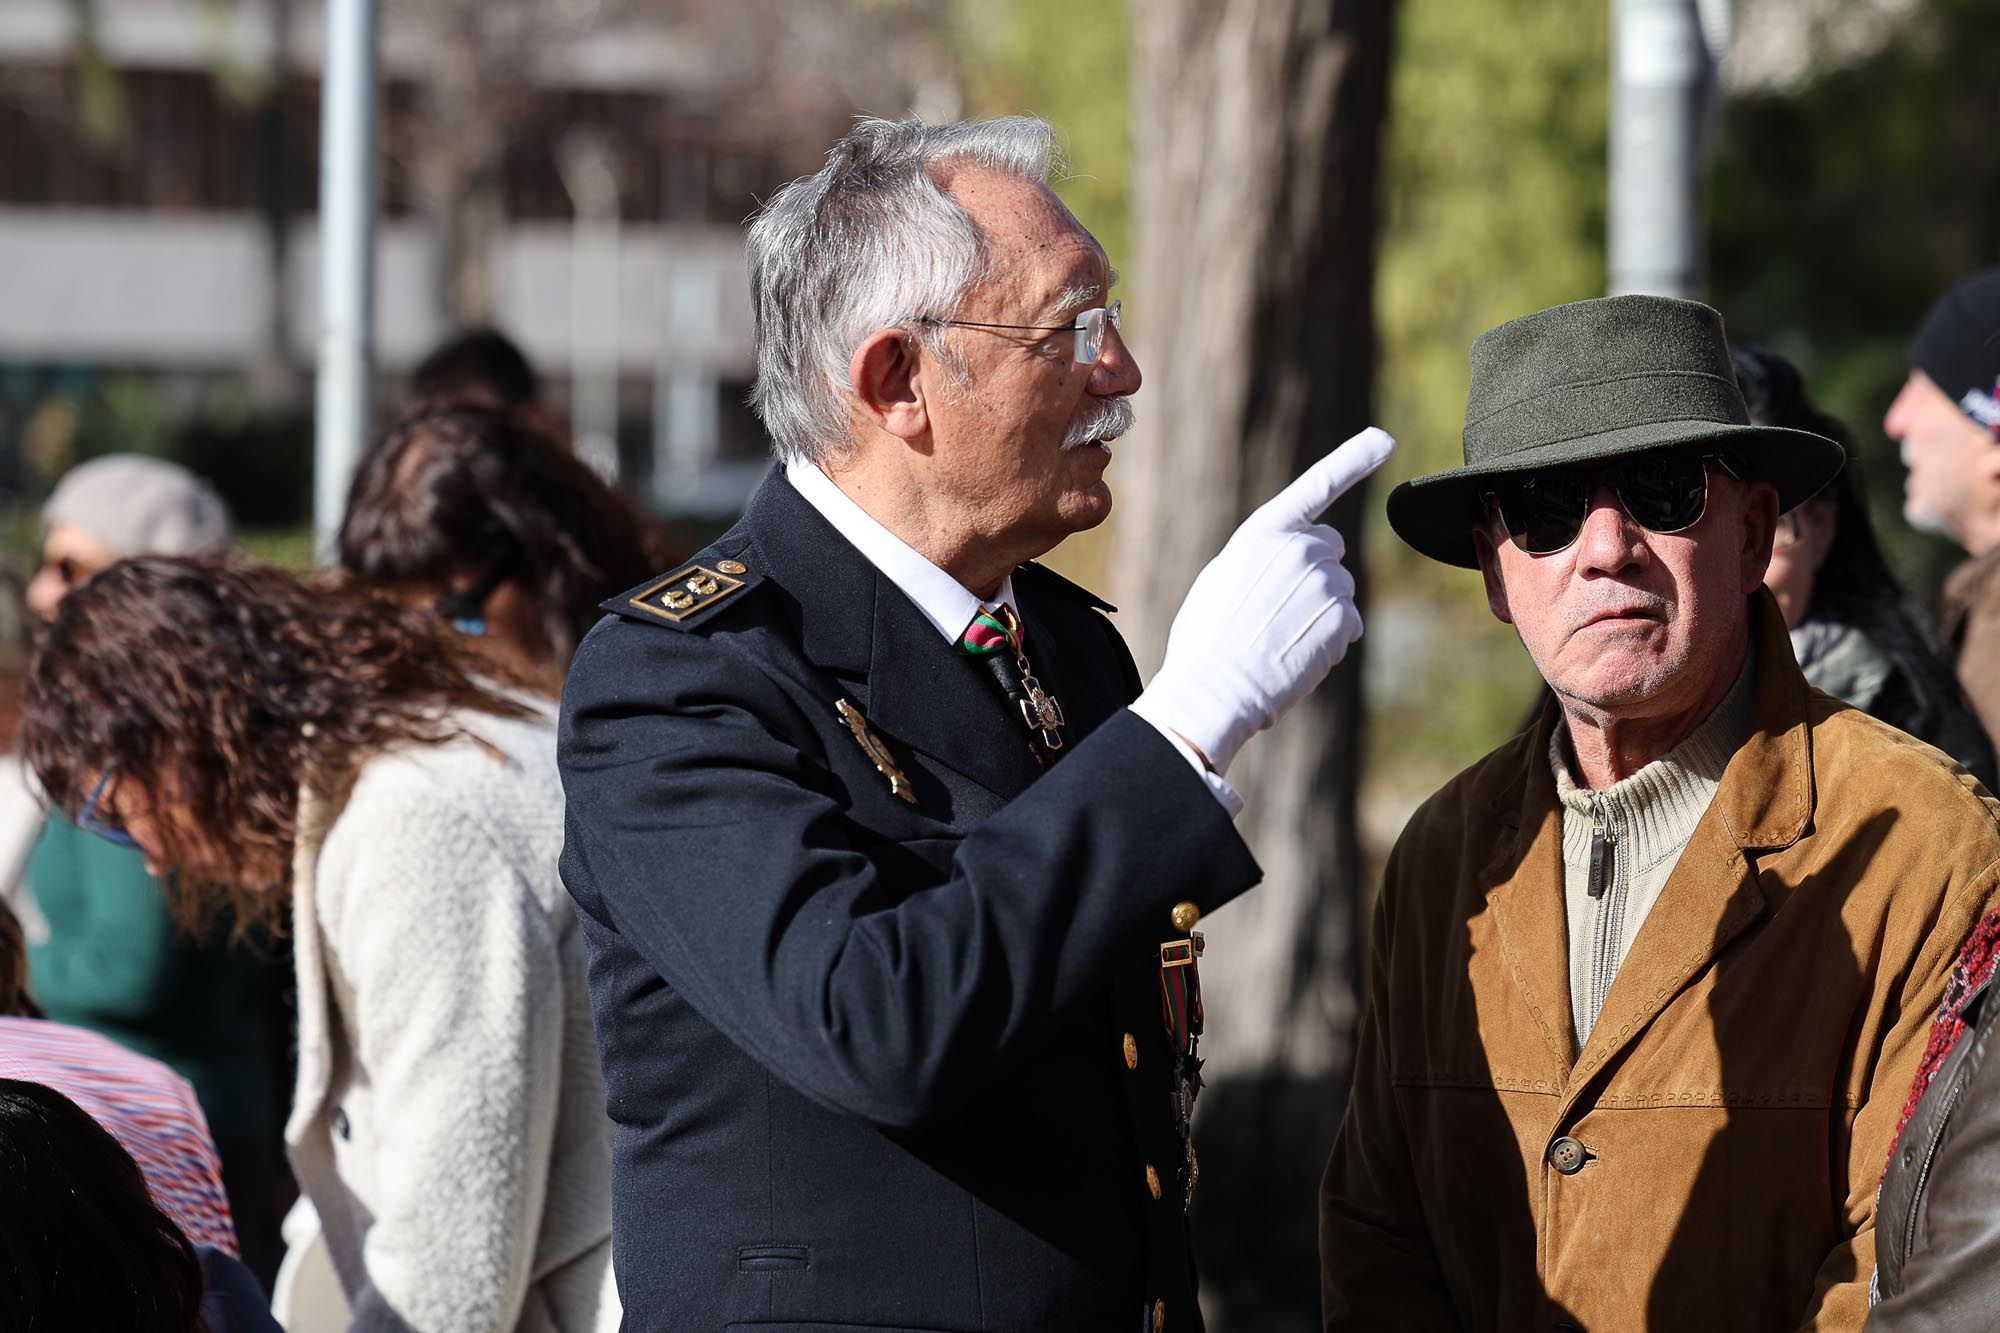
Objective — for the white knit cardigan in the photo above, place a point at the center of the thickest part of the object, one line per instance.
(448, 1122)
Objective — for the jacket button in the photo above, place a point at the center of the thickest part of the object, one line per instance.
(340, 1125)
(1152, 1180)
(1186, 916)
(1131, 1051)
(1159, 1316)
(1567, 1155)
(1909, 1158)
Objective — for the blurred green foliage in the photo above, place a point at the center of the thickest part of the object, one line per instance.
(287, 547)
(1079, 82)
(1070, 64)
(1493, 206)
(60, 418)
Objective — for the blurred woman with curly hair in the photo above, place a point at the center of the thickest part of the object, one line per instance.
(346, 760)
(474, 511)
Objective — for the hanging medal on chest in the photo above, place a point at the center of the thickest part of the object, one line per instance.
(1040, 710)
(1180, 1012)
(999, 639)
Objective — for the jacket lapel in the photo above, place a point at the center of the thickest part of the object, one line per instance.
(859, 628)
(1764, 802)
(1527, 899)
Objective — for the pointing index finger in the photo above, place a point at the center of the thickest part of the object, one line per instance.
(1300, 504)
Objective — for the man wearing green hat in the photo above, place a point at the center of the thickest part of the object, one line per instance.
(1650, 980)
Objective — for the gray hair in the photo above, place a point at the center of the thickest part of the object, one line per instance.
(867, 242)
(134, 504)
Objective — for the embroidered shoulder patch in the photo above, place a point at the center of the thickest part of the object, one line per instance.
(691, 590)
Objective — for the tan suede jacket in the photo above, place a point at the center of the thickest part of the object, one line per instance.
(1709, 1160)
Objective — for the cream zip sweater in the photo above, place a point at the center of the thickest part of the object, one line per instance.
(1633, 833)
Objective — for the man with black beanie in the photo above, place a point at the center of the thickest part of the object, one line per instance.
(1947, 419)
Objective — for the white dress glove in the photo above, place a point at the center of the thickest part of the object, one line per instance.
(1267, 618)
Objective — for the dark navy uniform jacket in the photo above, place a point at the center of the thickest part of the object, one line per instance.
(878, 1063)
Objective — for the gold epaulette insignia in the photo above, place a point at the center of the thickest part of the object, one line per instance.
(696, 588)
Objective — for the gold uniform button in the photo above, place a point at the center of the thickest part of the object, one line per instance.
(1131, 1051)
(1152, 1180)
(1159, 1316)
(732, 567)
(1186, 916)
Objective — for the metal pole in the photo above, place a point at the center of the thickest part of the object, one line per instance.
(587, 174)
(346, 259)
(1662, 90)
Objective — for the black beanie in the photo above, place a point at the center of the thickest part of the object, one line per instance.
(1958, 346)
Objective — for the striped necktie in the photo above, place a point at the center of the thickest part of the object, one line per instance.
(992, 632)
(998, 639)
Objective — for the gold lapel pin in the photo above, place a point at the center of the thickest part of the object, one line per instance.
(877, 752)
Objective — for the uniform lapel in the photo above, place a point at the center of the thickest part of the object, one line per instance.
(1061, 630)
(937, 700)
(861, 630)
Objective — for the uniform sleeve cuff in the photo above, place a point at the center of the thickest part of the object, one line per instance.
(1225, 795)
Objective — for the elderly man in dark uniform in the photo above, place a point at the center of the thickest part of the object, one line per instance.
(888, 866)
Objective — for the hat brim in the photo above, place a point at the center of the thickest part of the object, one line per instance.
(1436, 514)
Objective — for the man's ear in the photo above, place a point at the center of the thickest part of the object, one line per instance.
(1489, 571)
(888, 388)
(1760, 531)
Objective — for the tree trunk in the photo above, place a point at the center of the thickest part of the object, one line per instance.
(1256, 134)
(467, 105)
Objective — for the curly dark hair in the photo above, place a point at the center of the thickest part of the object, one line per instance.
(461, 489)
(218, 687)
(81, 1240)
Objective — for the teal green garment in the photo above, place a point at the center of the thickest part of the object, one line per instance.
(116, 962)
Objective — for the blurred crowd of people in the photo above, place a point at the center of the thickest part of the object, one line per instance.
(320, 1008)
(293, 886)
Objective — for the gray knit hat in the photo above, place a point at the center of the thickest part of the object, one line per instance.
(1592, 381)
(138, 505)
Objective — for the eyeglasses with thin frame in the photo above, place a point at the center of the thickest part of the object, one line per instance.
(89, 821)
(1665, 492)
(1089, 328)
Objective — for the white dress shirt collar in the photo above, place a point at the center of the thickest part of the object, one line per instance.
(945, 602)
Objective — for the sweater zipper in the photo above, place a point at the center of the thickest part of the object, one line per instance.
(1603, 849)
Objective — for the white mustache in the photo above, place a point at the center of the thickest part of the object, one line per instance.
(1108, 419)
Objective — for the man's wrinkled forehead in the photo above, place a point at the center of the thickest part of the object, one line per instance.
(1025, 225)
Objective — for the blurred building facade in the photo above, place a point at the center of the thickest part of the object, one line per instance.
(158, 172)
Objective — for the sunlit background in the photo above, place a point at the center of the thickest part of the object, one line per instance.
(575, 172)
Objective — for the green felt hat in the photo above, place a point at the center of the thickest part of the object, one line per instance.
(1592, 381)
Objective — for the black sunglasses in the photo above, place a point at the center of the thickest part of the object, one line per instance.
(1544, 511)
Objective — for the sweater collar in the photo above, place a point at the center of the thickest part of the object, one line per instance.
(1655, 810)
